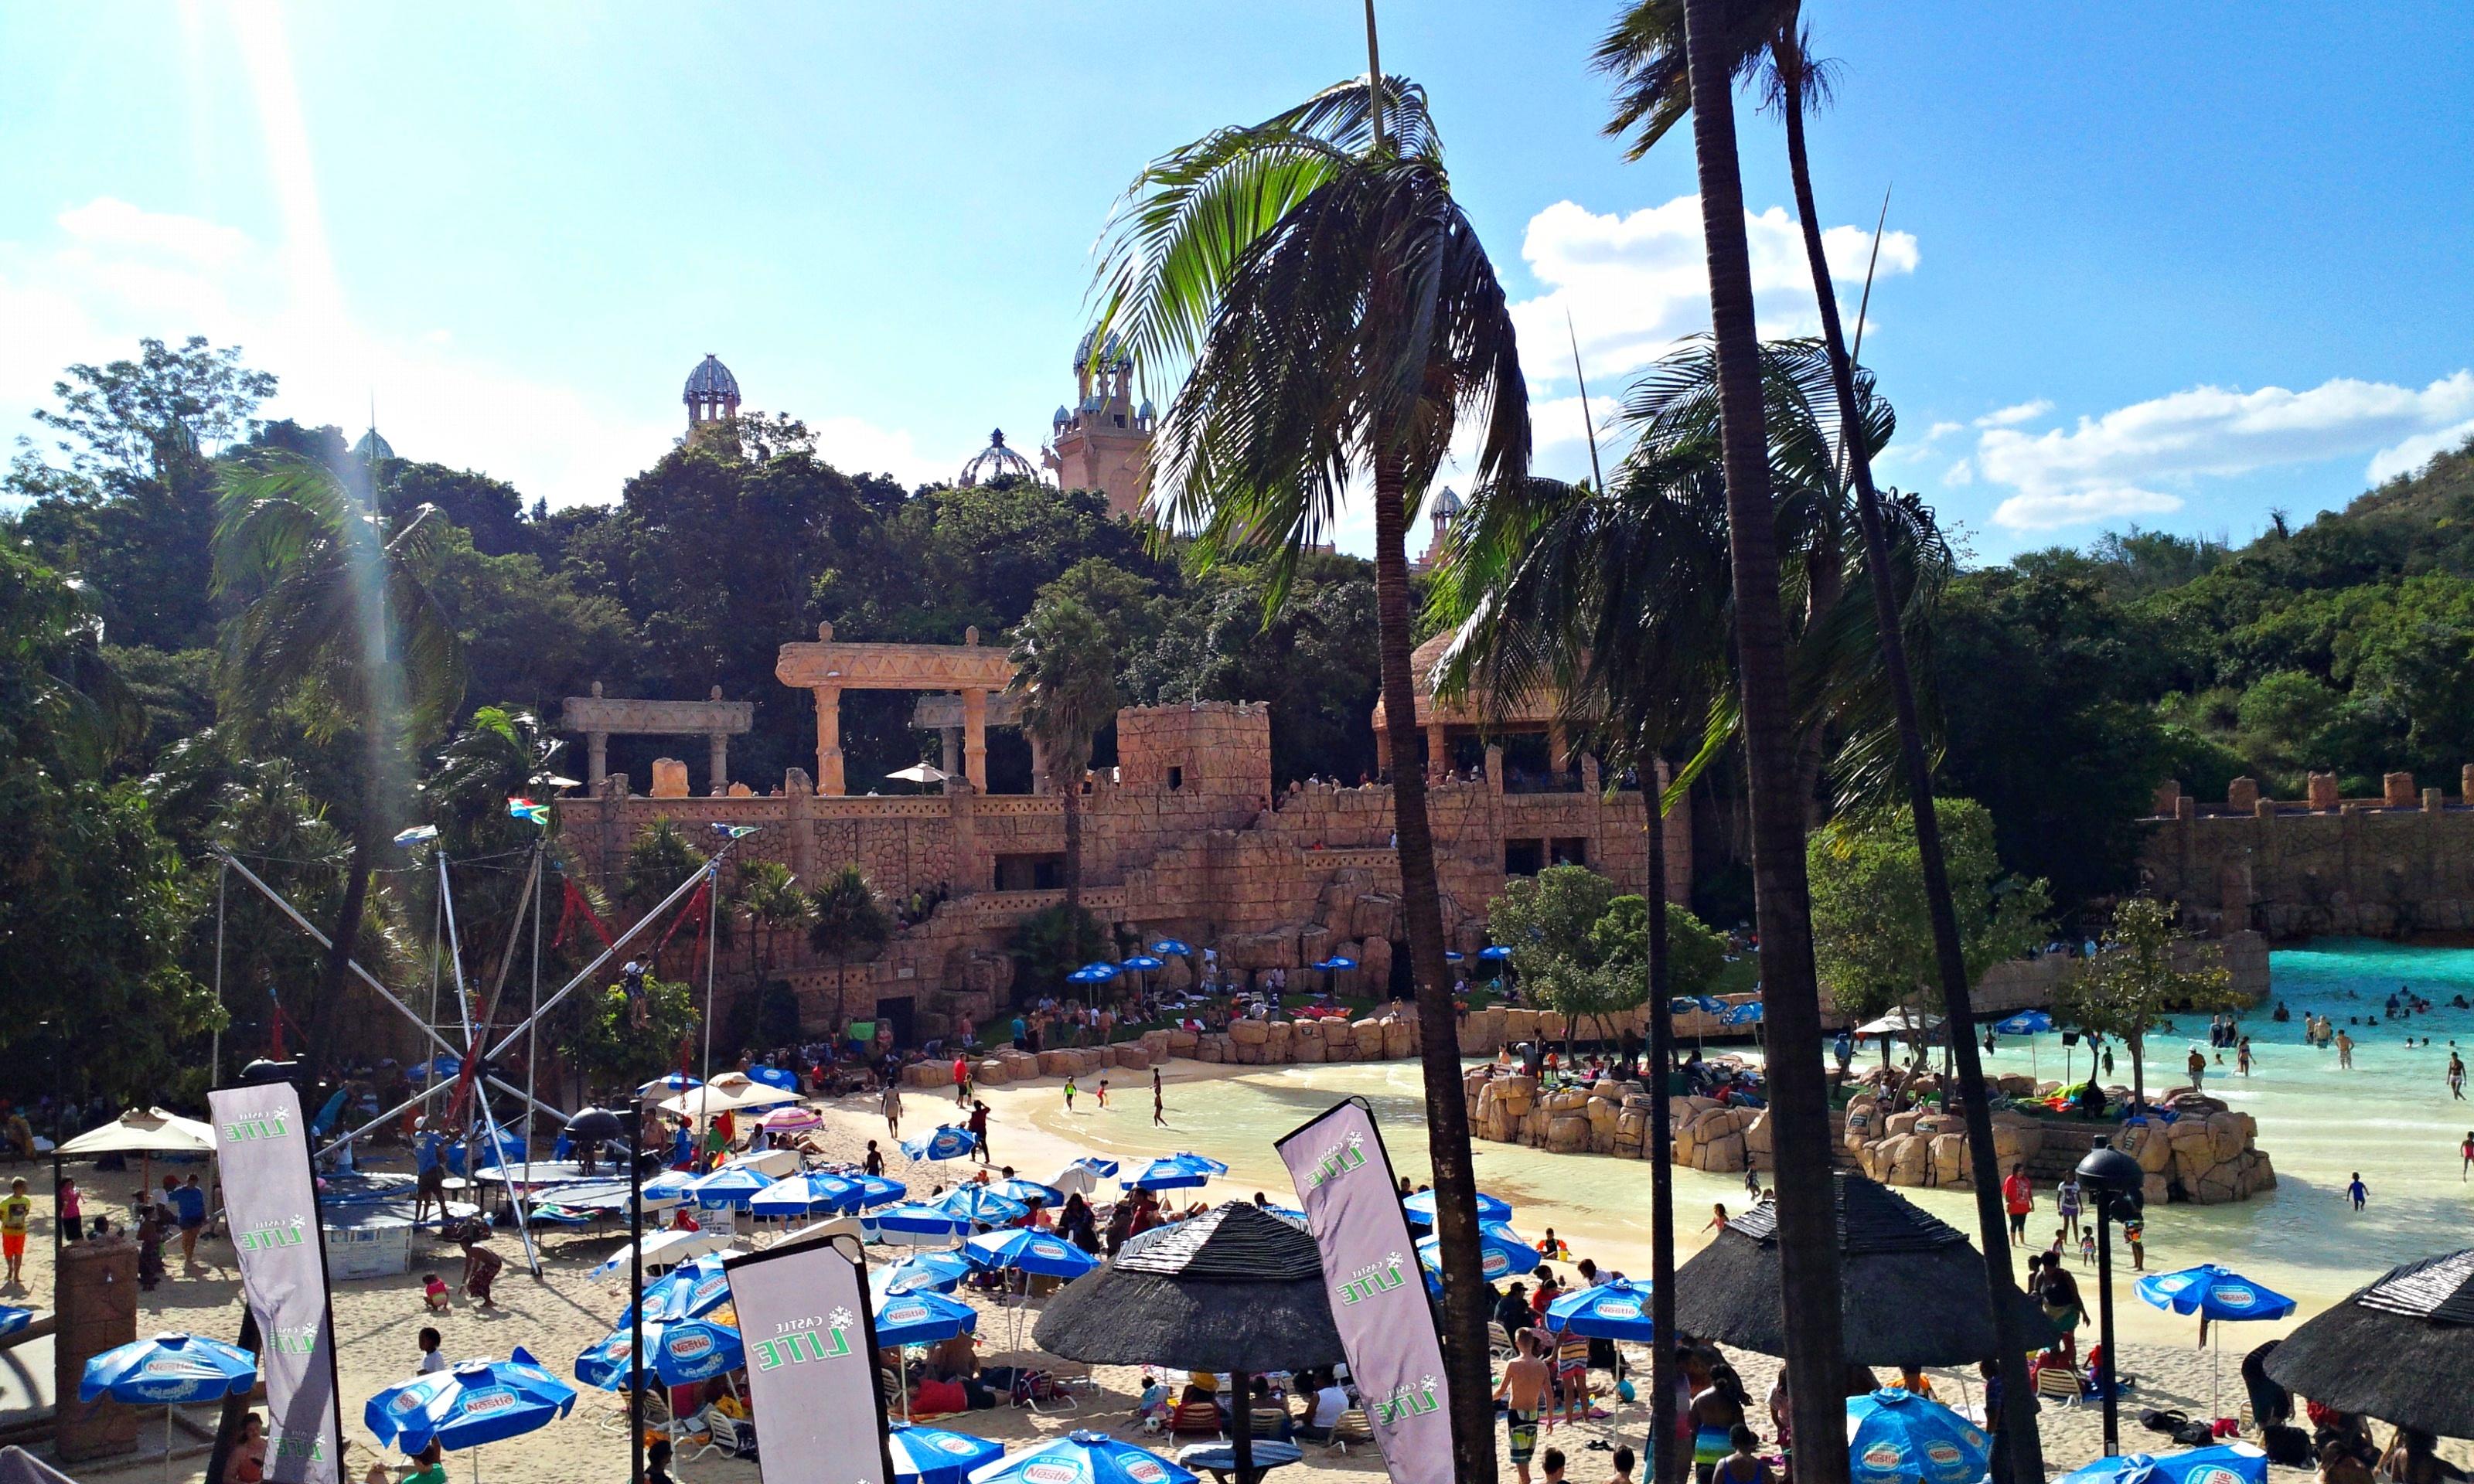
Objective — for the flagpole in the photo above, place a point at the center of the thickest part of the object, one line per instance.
(711, 918)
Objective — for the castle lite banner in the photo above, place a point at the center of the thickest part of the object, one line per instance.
(804, 1316)
(1379, 1300)
(271, 1201)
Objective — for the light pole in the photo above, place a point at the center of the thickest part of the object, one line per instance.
(590, 1128)
(2116, 1180)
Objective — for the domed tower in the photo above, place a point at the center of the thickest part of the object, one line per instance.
(1443, 509)
(1104, 441)
(712, 395)
(996, 462)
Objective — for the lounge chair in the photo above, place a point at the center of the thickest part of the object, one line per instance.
(1194, 1420)
(1351, 1427)
(2059, 1384)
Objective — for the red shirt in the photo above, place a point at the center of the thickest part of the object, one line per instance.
(2015, 1192)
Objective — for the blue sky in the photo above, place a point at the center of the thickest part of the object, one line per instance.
(2177, 264)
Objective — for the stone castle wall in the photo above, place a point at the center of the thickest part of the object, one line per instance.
(2396, 865)
(1186, 839)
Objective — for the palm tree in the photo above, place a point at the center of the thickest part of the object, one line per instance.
(1065, 672)
(1336, 319)
(844, 918)
(769, 895)
(1644, 49)
(338, 627)
(1798, 1102)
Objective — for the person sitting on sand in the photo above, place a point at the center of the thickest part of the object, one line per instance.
(481, 1265)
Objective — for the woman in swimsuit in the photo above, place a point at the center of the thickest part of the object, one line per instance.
(1717, 1413)
(1745, 1465)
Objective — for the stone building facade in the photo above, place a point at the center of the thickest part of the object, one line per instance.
(2399, 863)
(1184, 838)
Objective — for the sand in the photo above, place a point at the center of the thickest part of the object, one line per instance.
(562, 1313)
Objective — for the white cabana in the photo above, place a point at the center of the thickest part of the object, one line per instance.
(668, 1249)
(1900, 1021)
(143, 1131)
(729, 1092)
(776, 1162)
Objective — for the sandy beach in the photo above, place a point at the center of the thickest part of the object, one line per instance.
(562, 1313)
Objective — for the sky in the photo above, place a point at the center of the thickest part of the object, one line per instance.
(2174, 265)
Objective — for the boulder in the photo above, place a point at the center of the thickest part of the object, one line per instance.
(2155, 1191)
(1315, 944)
(1211, 1048)
(991, 1073)
(928, 1074)
(1950, 1159)
(1568, 1132)
(1375, 917)
(2146, 1145)
(1899, 1125)
(1909, 1159)
(2016, 1137)
(1518, 1092)
(2016, 1085)
(1279, 1037)
(1519, 1025)
(1375, 963)
(1337, 906)
(1756, 1139)
(1156, 1043)
(1182, 1042)
(1723, 1155)
(1250, 1033)
(1132, 1055)
(1399, 1037)
(1252, 952)
(1369, 1033)
(1178, 976)
(2228, 1136)
(1056, 1064)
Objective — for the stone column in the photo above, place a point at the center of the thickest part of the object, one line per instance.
(1559, 748)
(974, 738)
(829, 739)
(717, 760)
(953, 761)
(1439, 755)
(596, 751)
(1038, 763)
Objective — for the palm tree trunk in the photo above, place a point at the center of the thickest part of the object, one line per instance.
(1809, 1288)
(1464, 1310)
(335, 979)
(1072, 802)
(2018, 1422)
(1665, 1464)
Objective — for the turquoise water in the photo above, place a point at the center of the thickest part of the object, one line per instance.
(2391, 1117)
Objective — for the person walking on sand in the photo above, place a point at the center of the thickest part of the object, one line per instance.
(978, 1127)
(16, 1209)
(892, 1108)
(2019, 1198)
(1159, 1102)
(1069, 1091)
(2067, 1202)
(2358, 1192)
(962, 1081)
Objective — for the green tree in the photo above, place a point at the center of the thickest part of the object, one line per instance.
(1872, 925)
(1049, 944)
(613, 1051)
(658, 859)
(1065, 673)
(845, 922)
(1696, 954)
(1340, 319)
(336, 621)
(768, 895)
(96, 904)
(2139, 976)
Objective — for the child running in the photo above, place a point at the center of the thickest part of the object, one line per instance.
(1103, 1093)
(2358, 1192)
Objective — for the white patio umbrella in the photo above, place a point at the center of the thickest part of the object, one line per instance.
(920, 773)
(668, 1249)
(144, 1132)
(729, 1092)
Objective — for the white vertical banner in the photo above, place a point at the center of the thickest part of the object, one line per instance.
(271, 1201)
(1378, 1301)
(812, 1375)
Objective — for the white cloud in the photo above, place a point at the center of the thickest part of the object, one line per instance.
(1635, 284)
(2009, 417)
(115, 271)
(2107, 465)
(2052, 510)
(2412, 454)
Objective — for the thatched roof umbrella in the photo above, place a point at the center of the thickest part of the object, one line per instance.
(1236, 1290)
(1913, 1288)
(2400, 1349)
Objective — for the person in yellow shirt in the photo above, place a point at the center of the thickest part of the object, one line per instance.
(16, 1208)
(1913, 1381)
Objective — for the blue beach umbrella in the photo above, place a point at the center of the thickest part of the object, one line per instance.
(1749, 1012)
(2229, 1463)
(1501, 1252)
(1027, 1192)
(691, 1290)
(477, 1402)
(1454, 956)
(1495, 951)
(951, 1141)
(1170, 1172)
(1082, 1458)
(733, 1186)
(168, 1371)
(902, 1223)
(668, 1087)
(932, 1455)
(1618, 1309)
(670, 1185)
(1094, 973)
(1489, 1208)
(1021, 1249)
(922, 1319)
(804, 1194)
(926, 1272)
(875, 1190)
(1168, 946)
(1337, 961)
(774, 1077)
(1099, 1168)
(2026, 1022)
(1895, 1437)
(983, 1207)
(677, 1353)
(2212, 1292)
(1143, 963)
(13, 1319)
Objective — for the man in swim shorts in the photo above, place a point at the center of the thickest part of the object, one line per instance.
(1522, 1390)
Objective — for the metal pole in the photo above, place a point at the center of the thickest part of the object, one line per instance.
(606, 954)
(215, 1044)
(634, 1125)
(2105, 1321)
(712, 920)
(532, 1037)
(481, 1097)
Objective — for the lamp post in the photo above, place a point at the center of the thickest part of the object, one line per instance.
(2115, 1180)
(590, 1128)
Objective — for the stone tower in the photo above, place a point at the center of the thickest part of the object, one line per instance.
(712, 397)
(1104, 441)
